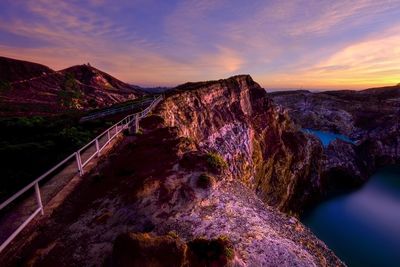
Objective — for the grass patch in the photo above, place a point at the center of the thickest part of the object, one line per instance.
(216, 161)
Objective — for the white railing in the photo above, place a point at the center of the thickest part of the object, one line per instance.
(107, 136)
(111, 111)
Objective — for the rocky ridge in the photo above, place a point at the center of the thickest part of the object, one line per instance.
(215, 160)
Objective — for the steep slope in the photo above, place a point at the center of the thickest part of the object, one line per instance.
(235, 118)
(77, 88)
(205, 156)
(12, 70)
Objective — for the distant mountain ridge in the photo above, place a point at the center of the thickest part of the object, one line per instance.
(28, 88)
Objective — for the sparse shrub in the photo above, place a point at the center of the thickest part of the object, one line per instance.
(69, 92)
(75, 137)
(5, 86)
(205, 181)
(173, 234)
(211, 252)
(216, 161)
(229, 252)
(27, 122)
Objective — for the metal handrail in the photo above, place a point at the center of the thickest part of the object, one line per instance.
(113, 110)
(122, 124)
(26, 188)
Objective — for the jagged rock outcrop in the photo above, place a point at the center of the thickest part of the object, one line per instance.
(381, 146)
(341, 168)
(215, 159)
(370, 117)
(262, 147)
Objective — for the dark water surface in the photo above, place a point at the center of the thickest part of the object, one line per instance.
(363, 227)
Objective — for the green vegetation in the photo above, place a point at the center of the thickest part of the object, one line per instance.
(229, 252)
(216, 161)
(29, 146)
(211, 251)
(75, 136)
(70, 92)
(205, 181)
(173, 234)
(4, 86)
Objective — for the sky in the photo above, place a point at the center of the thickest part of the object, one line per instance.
(313, 44)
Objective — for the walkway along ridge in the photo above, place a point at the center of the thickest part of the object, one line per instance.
(26, 203)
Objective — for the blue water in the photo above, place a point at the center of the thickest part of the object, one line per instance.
(327, 137)
(363, 227)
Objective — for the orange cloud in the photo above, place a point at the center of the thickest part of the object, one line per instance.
(369, 63)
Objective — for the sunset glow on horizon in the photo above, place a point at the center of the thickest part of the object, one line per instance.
(281, 44)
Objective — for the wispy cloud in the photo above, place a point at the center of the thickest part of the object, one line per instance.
(281, 43)
(371, 62)
(337, 14)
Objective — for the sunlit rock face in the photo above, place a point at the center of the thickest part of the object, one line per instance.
(235, 118)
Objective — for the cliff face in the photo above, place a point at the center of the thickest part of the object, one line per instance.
(370, 117)
(236, 119)
(197, 172)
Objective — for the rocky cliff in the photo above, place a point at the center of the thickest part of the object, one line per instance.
(370, 117)
(264, 150)
(205, 180)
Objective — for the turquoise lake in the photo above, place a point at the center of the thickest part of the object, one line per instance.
(327, 137)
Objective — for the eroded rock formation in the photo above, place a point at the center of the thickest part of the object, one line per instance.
(370, 117)
(263, 148)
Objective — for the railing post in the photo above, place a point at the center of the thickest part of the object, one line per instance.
(137, 123)
(108, 134)
(79, 162)
(97, 147)
(38, 198)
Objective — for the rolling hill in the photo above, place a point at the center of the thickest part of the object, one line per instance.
(28, 88)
